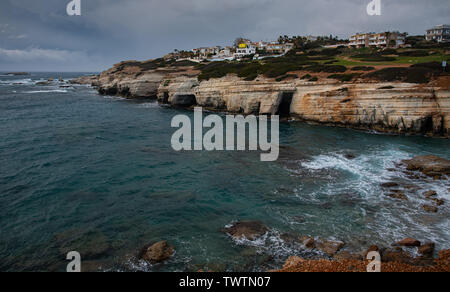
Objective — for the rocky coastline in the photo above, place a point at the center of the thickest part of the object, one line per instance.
(390, 107)
(334, 255)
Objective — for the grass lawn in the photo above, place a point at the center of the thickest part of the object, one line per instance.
(399, 60)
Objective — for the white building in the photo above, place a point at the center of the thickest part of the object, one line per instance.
(440, 33)
(244, 50)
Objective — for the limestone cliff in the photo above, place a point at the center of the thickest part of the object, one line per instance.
(386, 107)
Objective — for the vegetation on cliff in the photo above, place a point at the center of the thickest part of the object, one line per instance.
(414, 65)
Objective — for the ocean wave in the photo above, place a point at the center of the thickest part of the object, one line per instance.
(47, 91)
(17, 82)
(149, 105)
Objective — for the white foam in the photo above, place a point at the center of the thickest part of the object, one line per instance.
(149, 105)
(17, 82)
(47, 91)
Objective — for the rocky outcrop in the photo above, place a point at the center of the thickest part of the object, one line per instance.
(430, 165)
(250, 230)
(386, 107)
(408, 242)
(330, 247)
(157, 253)
(85, 80)
(406, 108)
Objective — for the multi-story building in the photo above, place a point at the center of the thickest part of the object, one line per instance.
(379, 40)
(244, 50)
(440, 33)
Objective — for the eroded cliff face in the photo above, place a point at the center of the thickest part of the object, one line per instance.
(386, 107)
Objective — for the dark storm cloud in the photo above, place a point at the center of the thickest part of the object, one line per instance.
(38, 35)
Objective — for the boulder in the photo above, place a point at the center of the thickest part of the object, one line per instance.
(409, 242)
(429, 165)
(308, 242)
(427, 249)
(157, 253)
(250, 230)
(396, 255)
(371, 249)
(330, 247)
(350, 156)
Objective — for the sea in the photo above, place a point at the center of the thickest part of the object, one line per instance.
(97, 174)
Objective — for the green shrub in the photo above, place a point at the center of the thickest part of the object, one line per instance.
(389, 52)
(326, 68)
(415, 53)
(307, 76)
(287, 76)
(436, 66)
(418, 73)
(389, 74)
(344, 77)
(325, 52)
(363, 68)
(313, 79)
(373, 57)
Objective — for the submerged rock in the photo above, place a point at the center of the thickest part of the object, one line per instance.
(430, 194)
(399, 196)
(250, 230)
(389, 185)
(326, 206)
(157, 253)
(90, 245)
(430, 209)
(430, 165)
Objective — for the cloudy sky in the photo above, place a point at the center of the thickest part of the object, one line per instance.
(38, 35)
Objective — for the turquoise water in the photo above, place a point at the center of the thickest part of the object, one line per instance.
(80, 171)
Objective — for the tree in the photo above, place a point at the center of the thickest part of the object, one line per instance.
(239, 41)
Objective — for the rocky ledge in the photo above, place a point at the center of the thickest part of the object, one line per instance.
(297, 264)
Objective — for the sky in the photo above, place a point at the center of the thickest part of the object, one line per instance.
(38, 35)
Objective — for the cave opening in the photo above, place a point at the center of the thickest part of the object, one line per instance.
(284, 109)
(165, 97)
(184, 100)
